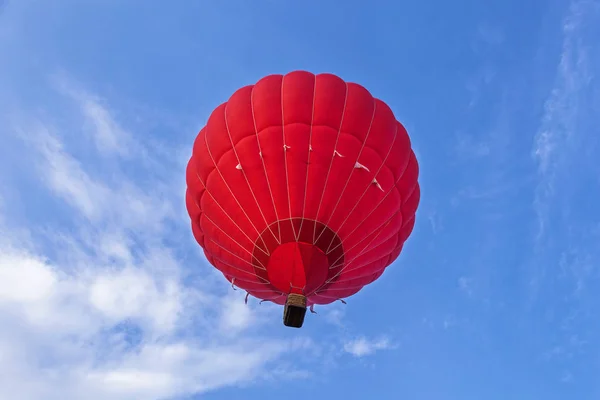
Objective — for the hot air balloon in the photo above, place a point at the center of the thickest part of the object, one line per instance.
(302, 189)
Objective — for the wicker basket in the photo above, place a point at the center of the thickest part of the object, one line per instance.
(294, 310)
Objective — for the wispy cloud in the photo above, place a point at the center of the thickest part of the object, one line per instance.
(564, 150)
(335, 316)
(102, 305)
(64, 175)
(560, 135)
(564, 263)
(362, 346)
(108, 135)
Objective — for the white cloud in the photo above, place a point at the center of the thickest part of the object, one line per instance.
(133, 293)
(99, 305)
(362, 346)
(236, 315)
(62, 173)
(335, 316)
(108, 135)
(24, 279)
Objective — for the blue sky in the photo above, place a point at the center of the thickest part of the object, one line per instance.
(104, 293)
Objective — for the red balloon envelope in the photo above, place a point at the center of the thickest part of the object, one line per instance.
(302, 189)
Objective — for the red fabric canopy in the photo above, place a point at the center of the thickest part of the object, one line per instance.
(304, 184)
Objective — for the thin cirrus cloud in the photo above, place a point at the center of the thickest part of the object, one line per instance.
(564, 265)
(563, 133)
(362, 346)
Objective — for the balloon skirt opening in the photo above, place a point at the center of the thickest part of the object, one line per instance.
(294, 311)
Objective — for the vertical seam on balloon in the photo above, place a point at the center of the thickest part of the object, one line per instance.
(399, 211)
(231, 192)
(275, 294)
(339, 283)
(264, 166)
(274, 298)
(328, 281)
(221, 207)
(381, 226)
(349, 235)
(312, 119)
(333, 289)
(331, 162)
(362, 251)
(293, 267)
(367, 189)
(251, 273)
(248, 183)
(265, 290)
(287, 180)
(261, 267)
(332, 298)
(233, 240)
(351, 171)
(272, 288)
(233, 254)
(399, 242)
(365, 264)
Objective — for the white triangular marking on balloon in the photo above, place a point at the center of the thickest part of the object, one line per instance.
(377, 184)
(359, 165)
